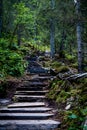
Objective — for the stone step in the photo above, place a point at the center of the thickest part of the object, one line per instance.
(35, 88)
(45, 77)
(26, 104)
(31, 98)
(25, 110)
(39, 78)
(31, 59)
(22, 116)
(32, 84)
(31, 92)
(29, 124)
(45, 74)
(37, 70)
(34, 63)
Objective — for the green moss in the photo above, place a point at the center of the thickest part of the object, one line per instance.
(74, 65)
(56, 64)
(61, 90)
(47, 64)
(83, 81)
(70, 58)
(58, 67)
(62, 69)
(75, 92)
(58, 91)
(62, 96)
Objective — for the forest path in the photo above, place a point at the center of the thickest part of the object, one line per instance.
(30, 110)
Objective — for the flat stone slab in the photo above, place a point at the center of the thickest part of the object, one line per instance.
(44, 74)
(31, 92)
(45, 77)
(29, 124)
(37, 70)
(5, 101)
(31, 116)
(40, 79)
(36, 84)
(25, 110)
(26, 104)
(26, 98)
(30, 97)
(30, 88)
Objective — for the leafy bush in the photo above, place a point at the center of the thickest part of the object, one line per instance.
(64, 92)
(11, 59)
(75, 119)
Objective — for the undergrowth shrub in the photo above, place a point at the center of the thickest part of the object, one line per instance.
(70, 58)
(62, 91)
(11, 59)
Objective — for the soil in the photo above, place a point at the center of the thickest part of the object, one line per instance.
(9, 86)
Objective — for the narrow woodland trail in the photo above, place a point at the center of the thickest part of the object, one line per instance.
(30, 110)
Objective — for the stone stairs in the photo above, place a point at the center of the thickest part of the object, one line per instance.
(30, 110)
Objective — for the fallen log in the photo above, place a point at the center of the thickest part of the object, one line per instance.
(76, 76)
(70, 76)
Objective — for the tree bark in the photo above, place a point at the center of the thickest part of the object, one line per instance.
(79, 42)
(61, 49)
(52, 31)
(79, 39)
(52, 37)
(1, 8)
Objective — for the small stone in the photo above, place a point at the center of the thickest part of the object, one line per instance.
(68, 107)
(5, 101)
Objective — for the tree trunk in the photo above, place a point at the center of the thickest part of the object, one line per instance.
(52, 37)
(52, 31)
(1, 7)
(61, 49)
(79, 42)
(79, 39)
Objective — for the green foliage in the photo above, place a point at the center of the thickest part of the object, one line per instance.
(63, 69)
(59, 67)
(70, 58)
(11, 60)
(57, 93)
(22, 14)
(62, 92)
(74, 65)
(76, 118)
(56, 64)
